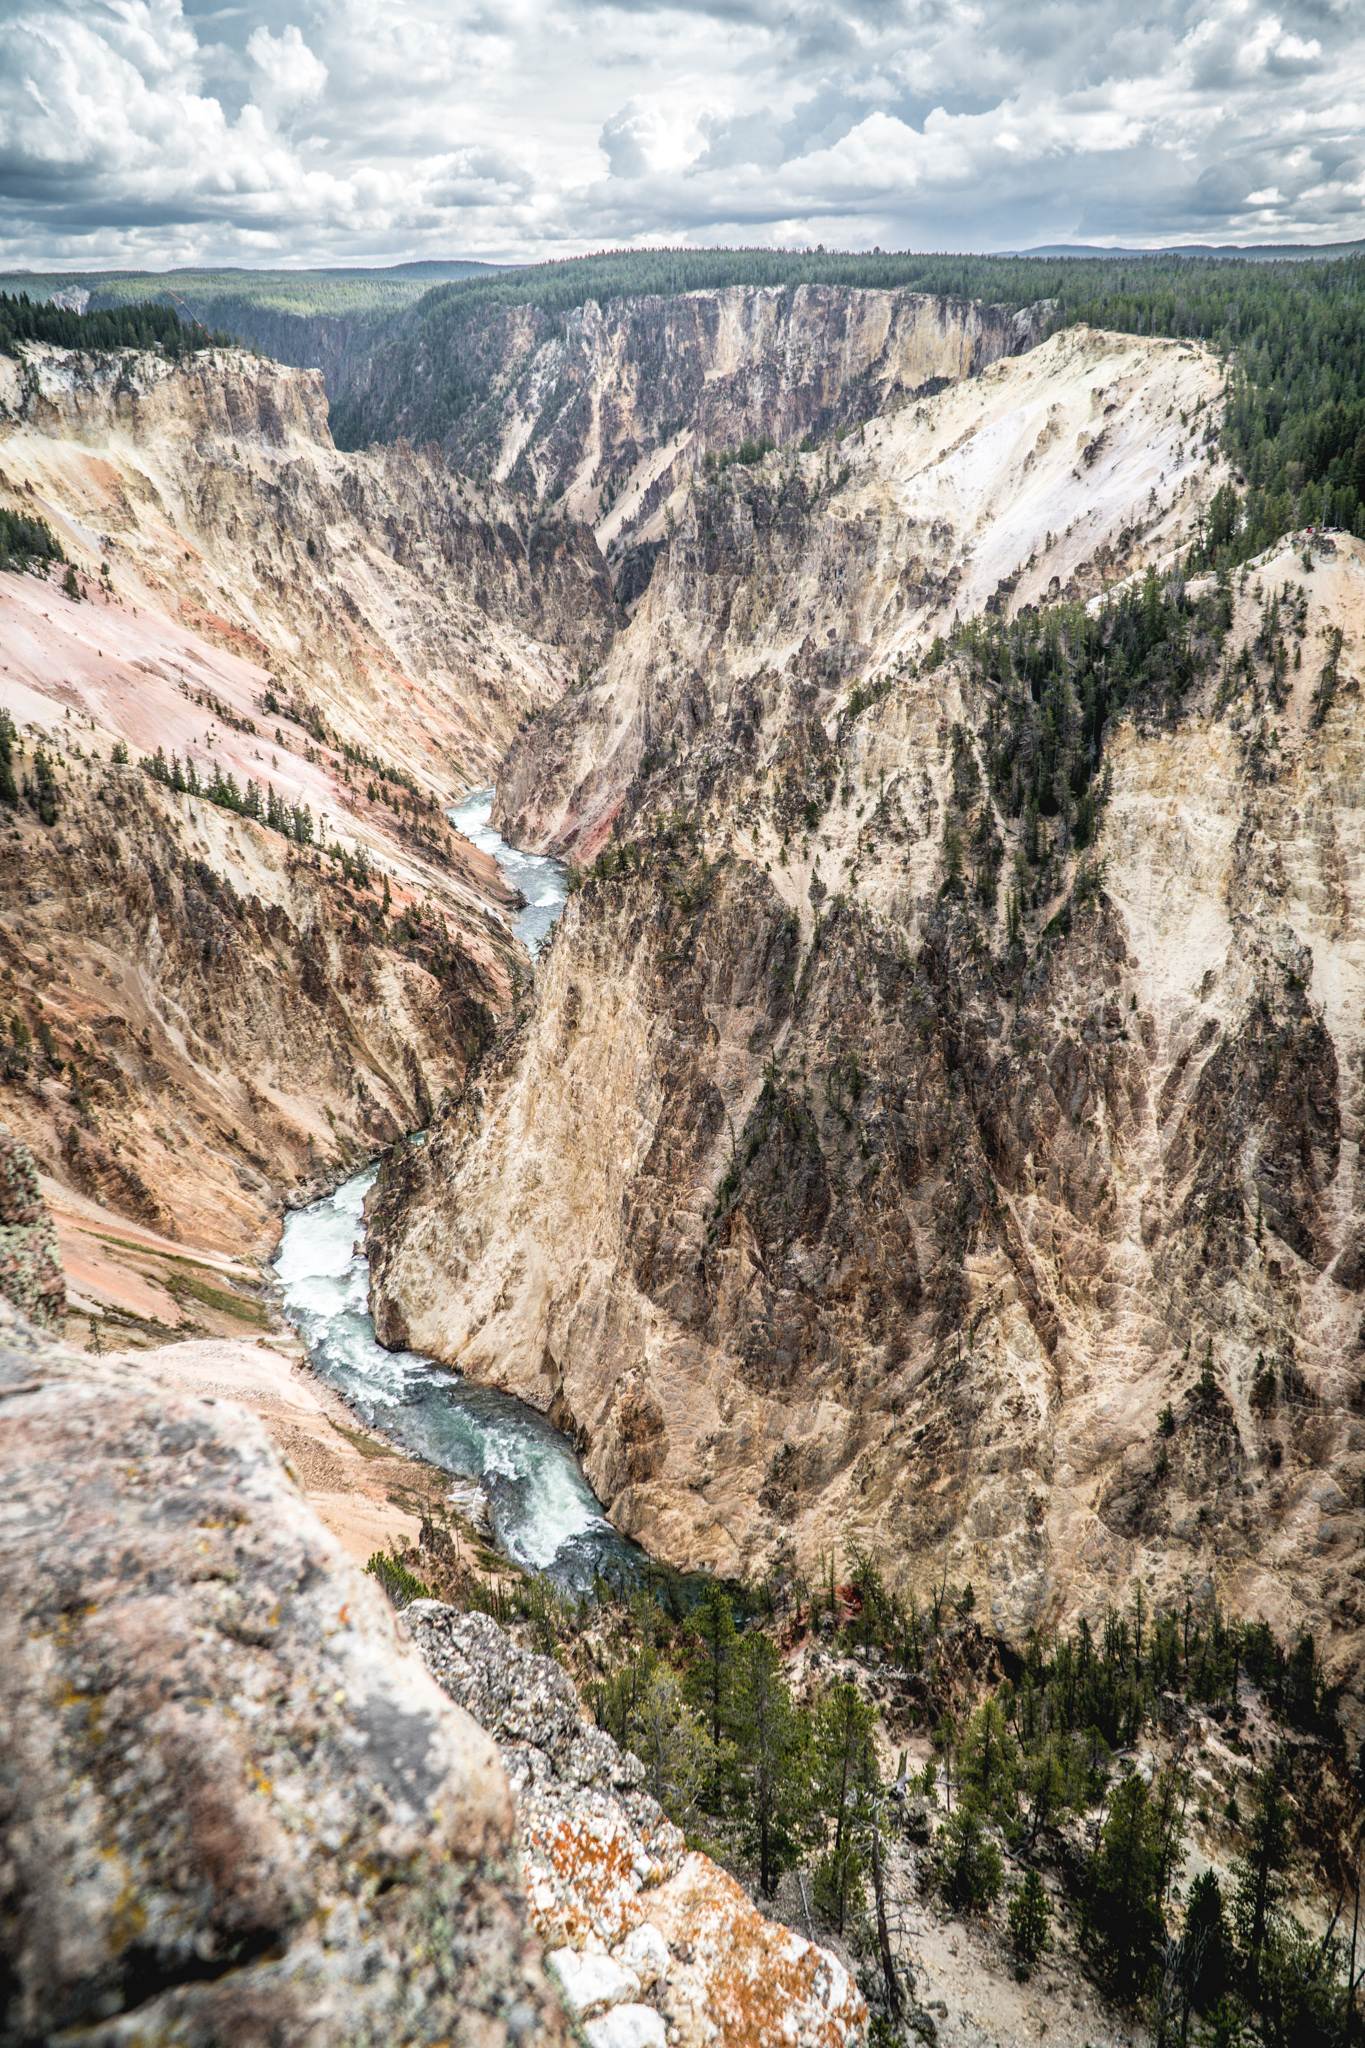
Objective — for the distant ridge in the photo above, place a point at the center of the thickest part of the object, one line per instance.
(1228, 252)
(325, 318)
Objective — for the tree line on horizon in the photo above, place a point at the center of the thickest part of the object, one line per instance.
(1292, 331)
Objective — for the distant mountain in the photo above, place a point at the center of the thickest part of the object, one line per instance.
(1251, 252)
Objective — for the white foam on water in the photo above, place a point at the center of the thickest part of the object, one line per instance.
(540, 879)
(543, 1510)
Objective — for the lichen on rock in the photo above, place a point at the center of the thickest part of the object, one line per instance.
(234, 1807)
(637, 1925)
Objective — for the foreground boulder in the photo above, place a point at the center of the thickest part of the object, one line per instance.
(234, 1807)
(652, 1943)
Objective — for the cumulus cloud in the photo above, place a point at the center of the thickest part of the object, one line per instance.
(149, 132)
(289, 76)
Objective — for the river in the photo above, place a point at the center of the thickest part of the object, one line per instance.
(543, 1512)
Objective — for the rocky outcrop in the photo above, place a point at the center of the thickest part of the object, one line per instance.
(233, 1807)
(652, 1944)
(30, 1268)
(851, 1175)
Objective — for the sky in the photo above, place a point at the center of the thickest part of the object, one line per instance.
(160, 133)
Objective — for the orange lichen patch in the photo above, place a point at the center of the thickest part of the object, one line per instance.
(757, 1974)
(581, 1879)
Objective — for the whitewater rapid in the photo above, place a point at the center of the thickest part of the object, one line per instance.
(540, 880)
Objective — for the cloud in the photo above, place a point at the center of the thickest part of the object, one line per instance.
(290, 77)
(143, 133)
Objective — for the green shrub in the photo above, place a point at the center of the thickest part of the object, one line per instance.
(401, 1585)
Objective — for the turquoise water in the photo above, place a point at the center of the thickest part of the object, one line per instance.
(542, 1510)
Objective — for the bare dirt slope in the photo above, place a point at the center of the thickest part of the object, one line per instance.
(878, 1159)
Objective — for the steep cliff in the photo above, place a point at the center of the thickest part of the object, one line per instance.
(937, 1118)
(1008, 487)
(206, 1007)
(609, 406)
(385, 589)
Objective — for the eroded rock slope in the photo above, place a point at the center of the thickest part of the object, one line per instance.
(234, 1004)
(882, 1156)
(610, 406)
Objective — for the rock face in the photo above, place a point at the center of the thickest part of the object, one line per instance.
(233, 1807)
(30, 1267)
(223, 1023)
(821, 1204)
(358, 635)
(385, 589)
(650, 1942)
(612, 405)
(1009, 486)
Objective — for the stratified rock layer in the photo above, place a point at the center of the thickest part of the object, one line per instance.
(640, 1930)
(234, 1809)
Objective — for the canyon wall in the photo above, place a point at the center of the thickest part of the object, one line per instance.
(230, 1010)
(1006, 1220)
(386, 589)
(607, 405)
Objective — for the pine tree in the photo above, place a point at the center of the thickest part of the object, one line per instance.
(710, 1679)
(1258, 1891)
(1030, 1914)
(988, 1769)
(774, 1743)
(843, 1728)
(1121, 1911)
(9, 789)
(671, 1741)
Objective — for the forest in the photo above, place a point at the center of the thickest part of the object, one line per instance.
(144, 325)
(757, 1712)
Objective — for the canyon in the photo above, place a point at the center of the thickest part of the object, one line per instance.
(816, 1203)
(236, 1011)
(931, 1130)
